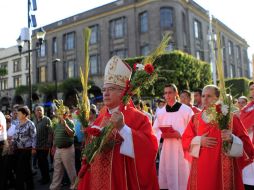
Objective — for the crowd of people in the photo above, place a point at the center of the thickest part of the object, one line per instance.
(174, 132)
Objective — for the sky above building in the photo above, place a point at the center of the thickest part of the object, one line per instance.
(237, 15)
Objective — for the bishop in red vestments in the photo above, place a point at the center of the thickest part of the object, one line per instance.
(130, 163)
(212, 168)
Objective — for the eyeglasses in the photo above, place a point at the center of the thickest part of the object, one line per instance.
(110, 89)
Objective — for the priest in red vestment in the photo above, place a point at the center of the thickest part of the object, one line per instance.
(211, 168)
(129, 164)
(247, 118)
(247, 113)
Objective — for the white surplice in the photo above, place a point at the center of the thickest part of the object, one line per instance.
(173, 168)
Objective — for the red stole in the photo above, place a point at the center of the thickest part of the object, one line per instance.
(114, 171)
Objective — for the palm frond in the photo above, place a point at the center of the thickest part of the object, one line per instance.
(158, 51)
(84, 75)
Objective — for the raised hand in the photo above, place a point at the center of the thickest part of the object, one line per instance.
(117, 120)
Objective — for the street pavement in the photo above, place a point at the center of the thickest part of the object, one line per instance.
(38, 186)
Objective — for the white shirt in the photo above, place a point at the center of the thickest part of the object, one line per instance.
(3, 132)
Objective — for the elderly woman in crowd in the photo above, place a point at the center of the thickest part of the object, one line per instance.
(24, 141)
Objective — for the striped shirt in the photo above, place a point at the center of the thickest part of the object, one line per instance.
(44, 132)
(61, 138)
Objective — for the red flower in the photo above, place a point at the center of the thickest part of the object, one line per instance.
(135, 66)
(218, 108)
(149, 68)
(77, 112)
(93, 131)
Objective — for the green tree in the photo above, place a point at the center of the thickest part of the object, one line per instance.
(3, 72)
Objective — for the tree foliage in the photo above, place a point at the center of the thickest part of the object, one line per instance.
(237, 86)
(3, 72)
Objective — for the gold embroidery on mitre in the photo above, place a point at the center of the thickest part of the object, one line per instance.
(117, 72)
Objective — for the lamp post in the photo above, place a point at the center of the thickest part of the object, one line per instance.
(55, 74)
(25, 38)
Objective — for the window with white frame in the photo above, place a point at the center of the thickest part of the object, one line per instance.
(230, 48)
(197, 29)
(143, 20)
(69, 41)
(42, 74)
(232, 71)
(94, 34)
(16, 81)
(117, 28)
(42, 50)
(54, 46)
(4, 84)
(70, 68)
(122, 53)
(144, 50)
(16, 65)
(166, 18)
(4, 65)
(94, 69)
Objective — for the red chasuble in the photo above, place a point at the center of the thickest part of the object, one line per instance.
(111, 170)
(213, 170)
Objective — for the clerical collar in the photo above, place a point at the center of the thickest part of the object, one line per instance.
(174, 108)
(113, 110)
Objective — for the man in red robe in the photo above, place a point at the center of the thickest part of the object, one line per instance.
(247, 113)
(130, 162)
(247, 118)
(211, 167)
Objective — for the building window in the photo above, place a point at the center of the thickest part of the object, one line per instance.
(69, 41)
(143, 19)
(144, 50)
(42, 50)
(238, 54)
(4, 65)
(27, 63)
(94, 34)
(54, 46)
(230, 48)
(16, 65)
(122, 53)
(184, 26)
(16, 81)
(117, 28)
(166, 18)
(4, 84)
(94, 69)
(42, 74)
(240, 72)
(197, 29)
(232, 71)
(70, 68)
(171, 46)
(199, 55)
